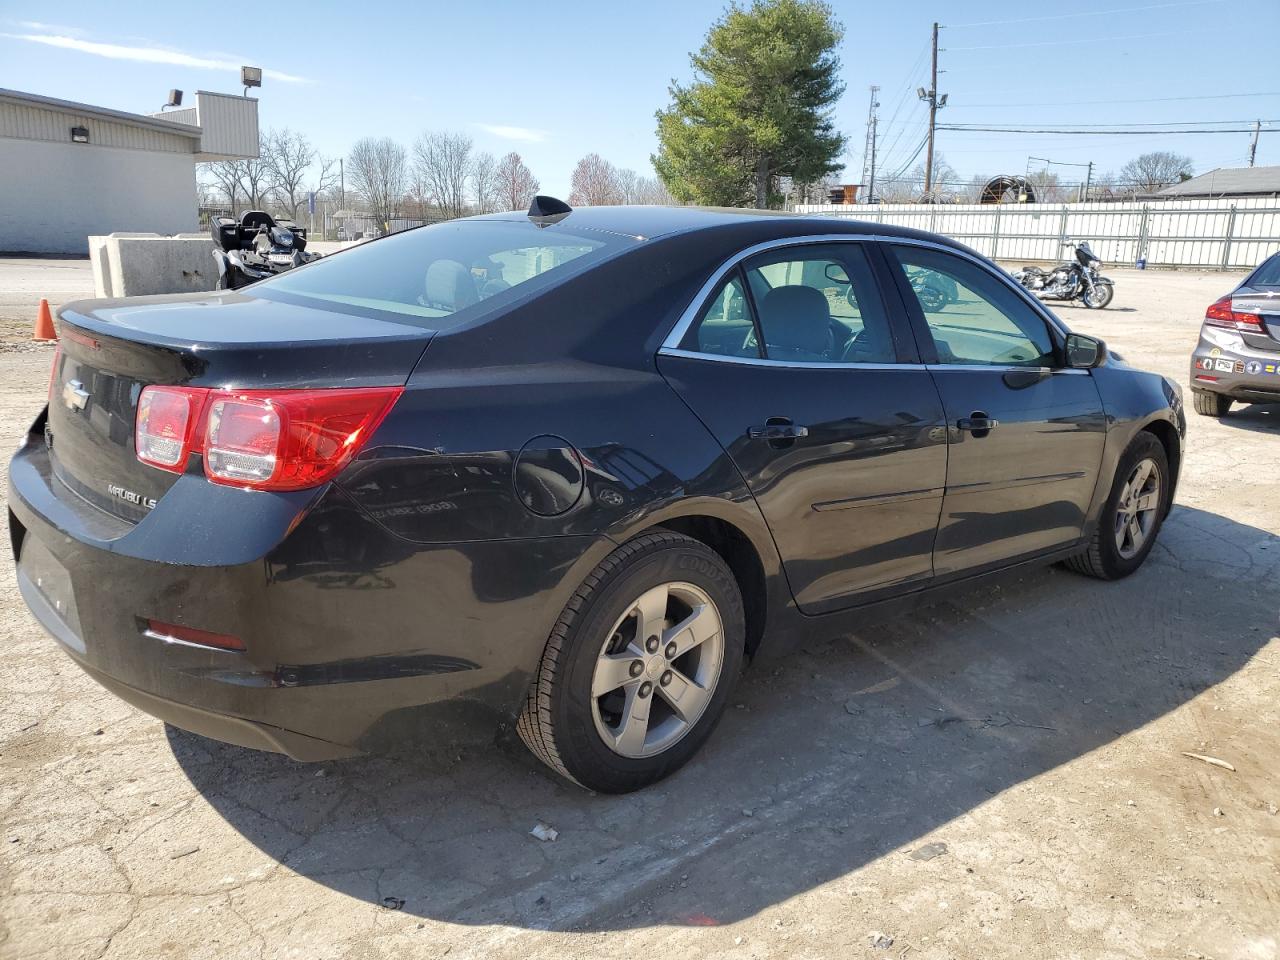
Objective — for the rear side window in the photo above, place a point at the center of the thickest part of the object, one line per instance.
(803, 304)
(1267, 275)
(425, 277)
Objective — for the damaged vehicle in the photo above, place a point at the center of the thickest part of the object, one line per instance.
(563, 471)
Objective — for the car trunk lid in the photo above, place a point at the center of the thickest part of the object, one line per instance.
(110, 350)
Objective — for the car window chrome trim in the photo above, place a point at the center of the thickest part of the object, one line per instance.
(1005, 368)
(794, 364)
(700, 299)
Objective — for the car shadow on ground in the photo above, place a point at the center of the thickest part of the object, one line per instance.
(1258, 417)
(826, 761)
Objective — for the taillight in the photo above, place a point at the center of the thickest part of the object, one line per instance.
(165, 429)
(261, 439)
(1220, 314)
(53, 371)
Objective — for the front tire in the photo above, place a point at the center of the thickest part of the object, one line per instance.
(1133, 514)
(1100, 296)
(1210, 404)
(639, 667)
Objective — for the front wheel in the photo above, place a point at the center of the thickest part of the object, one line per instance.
(639, 667)
(1100, 296)
(1131, 518)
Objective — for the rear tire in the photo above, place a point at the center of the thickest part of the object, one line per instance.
(1114, 553)
(576, 718)
(1210, 404)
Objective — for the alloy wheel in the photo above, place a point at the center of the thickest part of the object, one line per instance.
(1137, 509)
(657, 670)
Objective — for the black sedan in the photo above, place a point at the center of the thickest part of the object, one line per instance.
(565, 469)
(1237, 358)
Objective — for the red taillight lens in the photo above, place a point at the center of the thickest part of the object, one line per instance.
(262, 439)
(164, 431)
(176, 633)
(1220, 314)
(289, 439)
(53, 370)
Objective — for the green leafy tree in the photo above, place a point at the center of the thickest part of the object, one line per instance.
(759, 107)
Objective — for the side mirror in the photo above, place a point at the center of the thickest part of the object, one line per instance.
(1084, 353)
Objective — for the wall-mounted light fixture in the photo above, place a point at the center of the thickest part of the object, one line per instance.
(79, 134)
(175, 100)
(250, 77)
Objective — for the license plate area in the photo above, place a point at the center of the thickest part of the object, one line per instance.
(46, 586)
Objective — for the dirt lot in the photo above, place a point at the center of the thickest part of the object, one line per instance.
(1031, 736)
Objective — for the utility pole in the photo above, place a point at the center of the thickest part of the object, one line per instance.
(1253, 147)
(342, 186)
(936, 103)
(1088, 180)
(869, 151)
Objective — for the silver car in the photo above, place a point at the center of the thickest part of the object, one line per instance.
(1238, 355)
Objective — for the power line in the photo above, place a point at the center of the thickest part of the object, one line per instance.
(1100, 133)
(1093, 39)
(1084, 13)
(1058, 103)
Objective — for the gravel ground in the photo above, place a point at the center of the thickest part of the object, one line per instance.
(1001, 777)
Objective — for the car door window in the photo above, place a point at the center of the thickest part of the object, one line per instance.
(974, 316)
(819, 304)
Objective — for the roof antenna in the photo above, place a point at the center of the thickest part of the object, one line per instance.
(544, 211)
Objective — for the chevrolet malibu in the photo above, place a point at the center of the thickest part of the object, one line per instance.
(567, 470)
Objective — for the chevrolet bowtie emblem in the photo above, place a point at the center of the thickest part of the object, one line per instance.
(74, 395)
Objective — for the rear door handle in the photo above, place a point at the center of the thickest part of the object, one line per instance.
(977, 423)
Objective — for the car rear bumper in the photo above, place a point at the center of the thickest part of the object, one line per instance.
(355, 639)
(1238, 372)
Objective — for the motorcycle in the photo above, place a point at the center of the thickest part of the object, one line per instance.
(256, 247)
(1076, 279)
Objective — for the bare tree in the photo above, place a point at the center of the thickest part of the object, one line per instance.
(1155, 171)
(515, 184)
(288, 156)
(484, 182)
(256, 178)
(378, 168)
(327, 176)
(225, 177)
(594, 182)
(628, 185)
(444, 160)
(651, 190)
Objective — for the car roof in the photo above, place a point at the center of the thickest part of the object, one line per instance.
(650, 222)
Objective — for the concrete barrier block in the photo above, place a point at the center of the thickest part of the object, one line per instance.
(139, 264)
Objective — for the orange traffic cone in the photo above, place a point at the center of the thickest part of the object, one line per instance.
(44, 323)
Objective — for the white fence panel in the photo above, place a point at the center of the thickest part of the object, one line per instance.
(1177, 233)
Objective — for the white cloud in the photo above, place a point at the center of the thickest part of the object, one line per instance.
(175, 58)
(527, 134)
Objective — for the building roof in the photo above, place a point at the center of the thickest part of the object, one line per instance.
(87, 110)
(1229, 182)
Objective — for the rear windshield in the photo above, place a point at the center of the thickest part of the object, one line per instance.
(1267, 275)
(429, 277)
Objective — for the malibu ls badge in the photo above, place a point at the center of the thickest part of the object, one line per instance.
(128, 496)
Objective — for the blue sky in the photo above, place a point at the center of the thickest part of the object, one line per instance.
(556, 80)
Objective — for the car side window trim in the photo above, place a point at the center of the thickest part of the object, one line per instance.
(671, 344)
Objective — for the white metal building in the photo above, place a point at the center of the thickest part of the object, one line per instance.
(70, 170)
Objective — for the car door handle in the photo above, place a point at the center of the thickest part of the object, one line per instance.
(777, 428)
(977, 423)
